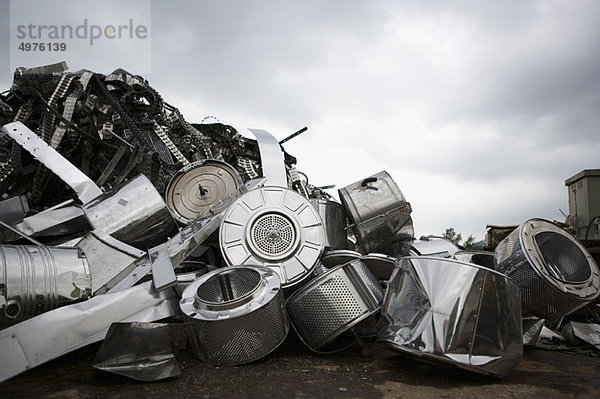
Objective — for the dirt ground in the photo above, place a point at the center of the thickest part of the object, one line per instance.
(293, 372)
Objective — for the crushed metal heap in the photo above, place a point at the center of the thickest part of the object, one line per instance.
(116, 213)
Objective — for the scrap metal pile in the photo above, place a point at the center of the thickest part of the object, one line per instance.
(116, 213)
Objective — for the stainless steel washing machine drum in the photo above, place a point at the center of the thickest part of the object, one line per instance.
(36, 279)
(198, 186)
(454, 313)
(555, 272)
(378, 211)
(238, 313)
(334, 302)
(273, 227)
(334, 220)
(134, 213)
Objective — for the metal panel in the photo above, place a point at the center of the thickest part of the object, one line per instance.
(271, 158)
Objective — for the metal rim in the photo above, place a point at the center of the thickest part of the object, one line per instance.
(261, 291)
(338, 257)
(584, 290)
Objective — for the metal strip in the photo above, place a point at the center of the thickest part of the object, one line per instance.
(163, 274)
(111, 165)
(85, 188)
(271, 157)
(167, 141)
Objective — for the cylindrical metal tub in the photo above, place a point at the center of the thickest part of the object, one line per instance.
(555, 272)
(238, 313)
(334, 218)
(35, 279)
(134, 213)
(334, 302)
(453, 313)
(378, 211)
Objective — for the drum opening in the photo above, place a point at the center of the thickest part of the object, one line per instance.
(229, 286)
(565, 260)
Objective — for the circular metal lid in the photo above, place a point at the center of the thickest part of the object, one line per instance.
(560, 259)
(229, 292)
(198, 186)
(273, 227)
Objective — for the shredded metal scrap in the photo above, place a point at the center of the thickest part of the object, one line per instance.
(144, 204)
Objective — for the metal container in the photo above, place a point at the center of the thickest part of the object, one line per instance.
(555, 272)
(238, 313)
(273, 227)
(333, 303)
(378, 211)
(334, 219)
(198, 186)
(35, 279)
(453, 313)
(134, 213)
(481, 258)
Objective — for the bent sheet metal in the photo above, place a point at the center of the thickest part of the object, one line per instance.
(85, 188)
(52, 334)
(453, 313)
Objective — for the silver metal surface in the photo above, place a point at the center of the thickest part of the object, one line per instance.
(334, 220)
(238, 313)
(453, 313)
(163, 274)
(333, 303)
(13, 209)
(179, 248)
(532, 328)
(36, 279)
(587, 332)
(20, 233)
(141, 351)
(271, 158)
(433, 246)
(382, 266)
(556, 273)
(198, 186)
(85, 188)
(51, 223)
(134, 213)
(378, 211)
(481, 258)
(333, 258)
(273, 227)
(109, 259)
(52, 334)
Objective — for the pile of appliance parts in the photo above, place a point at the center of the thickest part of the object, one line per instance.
(117, 214)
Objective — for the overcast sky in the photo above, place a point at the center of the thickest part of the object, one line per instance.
(479, 110)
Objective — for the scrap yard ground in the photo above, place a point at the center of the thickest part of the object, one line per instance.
(292, 372)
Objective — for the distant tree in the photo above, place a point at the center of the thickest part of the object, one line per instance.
(456, 239)
(451, 235)
(469, 243)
